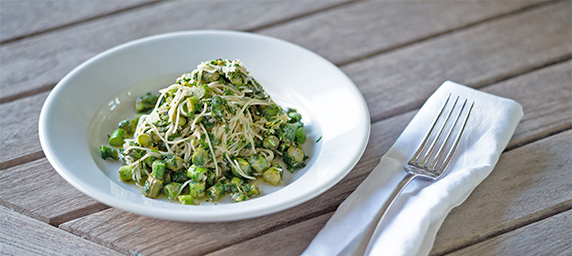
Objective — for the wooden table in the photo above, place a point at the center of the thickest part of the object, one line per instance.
(396, 52)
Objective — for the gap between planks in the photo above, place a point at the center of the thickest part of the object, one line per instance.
(286, 20)
(446, 32)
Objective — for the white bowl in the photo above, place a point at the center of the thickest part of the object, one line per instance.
(87, 104)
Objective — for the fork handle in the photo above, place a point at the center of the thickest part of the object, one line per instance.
(396, 191)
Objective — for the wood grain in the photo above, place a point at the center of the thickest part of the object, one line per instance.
(361, 30)
(383, 134)
(40, 61)
(550, 236)
(21, 235)
(19, 130)
(401, 80)
(292, 240)
(395, 82)
(35, 189)
(533, 158)
(22, 18)
(528, 183)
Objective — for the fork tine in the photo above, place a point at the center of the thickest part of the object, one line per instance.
(456, 142)
(434, 143)
(444, 143)
(420, 148)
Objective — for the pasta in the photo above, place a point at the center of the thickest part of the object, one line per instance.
(212, 132)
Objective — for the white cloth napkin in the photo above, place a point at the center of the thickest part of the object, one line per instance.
(410, 226)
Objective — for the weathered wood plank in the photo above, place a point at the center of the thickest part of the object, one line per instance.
(19, 130)
(292, 240)
(500, 193)
(550, 236)
(387, 90)
(42, 60)
(361, 30)
(21, 235)
(23, 18)
(35, 189)
(119, 224)
(477, 56)
(543, 115)
(527, 184)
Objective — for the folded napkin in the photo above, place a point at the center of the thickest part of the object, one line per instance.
(410, 225)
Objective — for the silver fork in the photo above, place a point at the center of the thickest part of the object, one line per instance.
(425, 162)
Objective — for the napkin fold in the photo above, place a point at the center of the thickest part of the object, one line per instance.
(412, 222)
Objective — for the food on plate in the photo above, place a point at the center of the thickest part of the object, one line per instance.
(212, 133)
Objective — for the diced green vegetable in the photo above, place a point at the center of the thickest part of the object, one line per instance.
(294, 157)
(238, 197)
(158, 169)
(179, 176)
(243, 165)
(287, 132)
(294, 116)
(197, 189)
(272, 176)
(125, 173)
(182, 121)
(172, 189)
(258, 163)
(117, 138)
(200, 157)
(146, 102)
(175, 163)
(107, 152)
(152, 187)
(187, 199)
(251, 190)
(197, 173)
(270, 111)
(216, 192)
(271, 142)
(202, 91)
(300, 135)
(144, 139)
(149, 161)
(128, 126)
